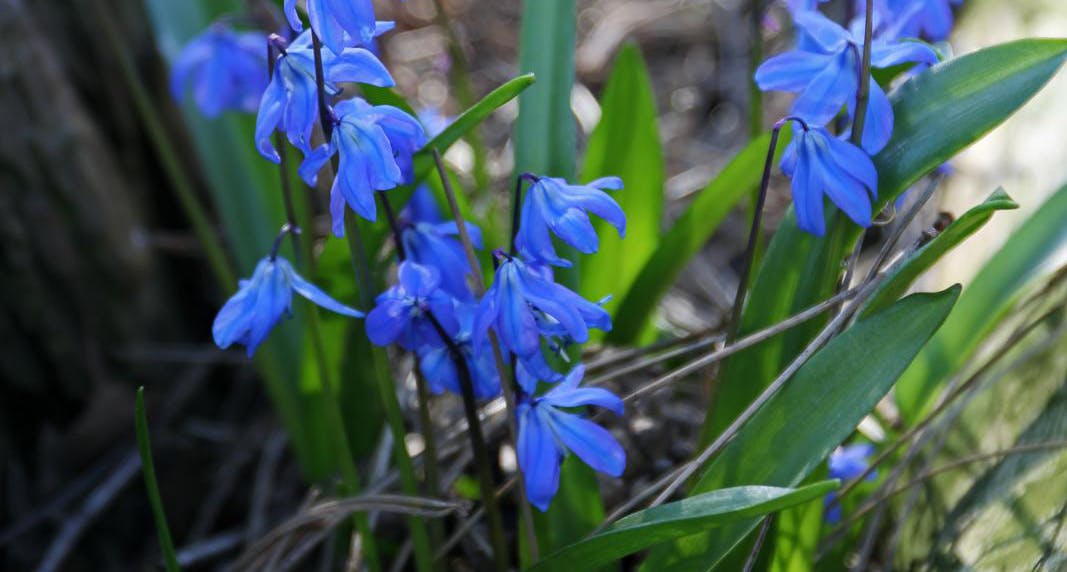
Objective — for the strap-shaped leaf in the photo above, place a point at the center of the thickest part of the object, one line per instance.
(986, 301)
(625, 144)
(898, 282)
(653, 526)
(819, 407)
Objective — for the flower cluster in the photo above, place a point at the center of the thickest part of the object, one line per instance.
(824, 71)
(526, 310)
(431, 310)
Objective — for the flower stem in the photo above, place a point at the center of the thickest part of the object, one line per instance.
(330, 403)
(480, 449)
(393, 413)
(863, 93)
(507, 389)
(753, 236)
(470, 410)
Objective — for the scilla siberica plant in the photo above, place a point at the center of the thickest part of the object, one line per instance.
(431, 311)
(511, 339)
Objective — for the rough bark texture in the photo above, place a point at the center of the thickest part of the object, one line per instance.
(80, 278)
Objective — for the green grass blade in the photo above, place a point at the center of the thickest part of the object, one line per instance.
(938, 113)
(898, 282)
(820, 406)
(625, 144)
(984, 303)
(144, 448)
(688, 235)
(653, 526)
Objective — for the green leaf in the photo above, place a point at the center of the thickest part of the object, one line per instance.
(148, 467)
(898, 282)
(625, 144)
(688, 235)
(815, 411)
(653, 526)
(937, 113)
(986, 301)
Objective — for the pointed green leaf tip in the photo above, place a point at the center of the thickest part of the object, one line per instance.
(144, 447)
(649, 527)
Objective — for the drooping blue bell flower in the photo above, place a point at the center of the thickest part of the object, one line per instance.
(225, 70)
(375, 144)
(439, 367)
(431, 241)
(825, 74)
(291, 100)
(401, 314)
(248, 316)
(547, 432)
(847, 463)
(554, 206)
(511, 304)
(338, 23)
(819, 165)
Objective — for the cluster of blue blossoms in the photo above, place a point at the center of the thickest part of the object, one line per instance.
(373, 145)
(823, 70)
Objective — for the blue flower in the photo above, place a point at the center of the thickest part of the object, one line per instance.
(554, 205)
(513, 303)
(375, 144)
(431, 242)
(225, 70)
(847, 463)
(546, 433)
(248, 316)
(401, 312)
(439, 366)
(824, 73)
(338, 23)
(821, 164)
(930, 19)
(291, 98)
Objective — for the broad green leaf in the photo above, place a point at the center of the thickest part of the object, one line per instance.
(796, 535)
(897, 283)
(625, 144)
(815, 411)
(985, 302)
(937, 113)
(653, 526)
(688, 235)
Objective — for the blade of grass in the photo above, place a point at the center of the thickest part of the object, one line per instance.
(144, 447)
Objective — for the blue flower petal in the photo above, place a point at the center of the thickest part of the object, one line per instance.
(825, 33)
(316, 295)
(828, 91)
(591, 442)
(790, 71)
(358, 65)
(538, 457)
